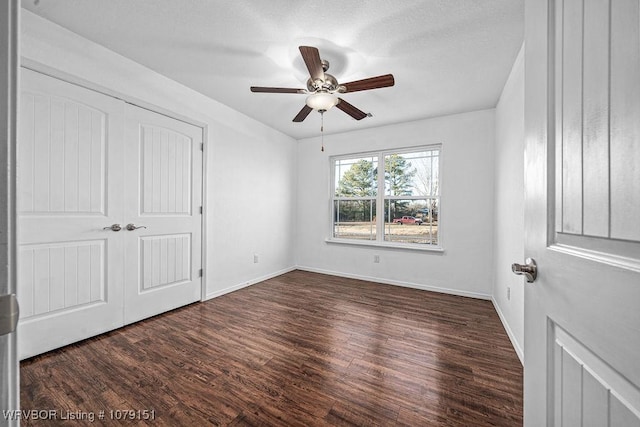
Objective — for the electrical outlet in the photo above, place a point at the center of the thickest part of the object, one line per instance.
(508, 293)
(376, 259)
(256, 258)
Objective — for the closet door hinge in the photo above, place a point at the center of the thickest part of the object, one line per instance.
(8, 313)
(202, 146)
(200, 272)
(200, 210)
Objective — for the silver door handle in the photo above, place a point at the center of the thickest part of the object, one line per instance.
(528, 270)
(114, 227)
(132, 227)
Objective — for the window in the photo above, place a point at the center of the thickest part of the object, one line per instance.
(387, 197)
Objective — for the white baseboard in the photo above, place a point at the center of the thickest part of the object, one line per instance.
(397, 283)
(248, 283)
(512, 337)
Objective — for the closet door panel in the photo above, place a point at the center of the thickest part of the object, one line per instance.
(70, 149)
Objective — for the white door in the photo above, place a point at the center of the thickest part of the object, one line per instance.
(582, 223)
(163, 196)
(70, 183)
(83, 167)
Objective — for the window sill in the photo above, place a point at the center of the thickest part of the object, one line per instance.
(386, 245)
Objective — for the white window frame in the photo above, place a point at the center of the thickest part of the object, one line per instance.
(381, 197)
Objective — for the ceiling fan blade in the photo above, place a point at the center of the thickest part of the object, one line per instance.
(370, 83)
(303, 114)
(351, 110)
(276, 90)
(312, 59)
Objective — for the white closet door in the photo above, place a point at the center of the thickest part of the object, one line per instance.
(70, 184)
(163, 192)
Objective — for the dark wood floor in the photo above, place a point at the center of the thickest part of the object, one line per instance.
(302, 349)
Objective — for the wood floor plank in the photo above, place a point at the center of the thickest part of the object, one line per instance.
(299, 349)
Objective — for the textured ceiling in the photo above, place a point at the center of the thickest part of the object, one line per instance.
(447, 56)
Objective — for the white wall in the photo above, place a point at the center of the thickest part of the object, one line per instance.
(465, 267)
(251, 173)
(509, 205)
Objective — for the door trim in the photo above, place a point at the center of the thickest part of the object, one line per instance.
(42, 68)
(9, 88)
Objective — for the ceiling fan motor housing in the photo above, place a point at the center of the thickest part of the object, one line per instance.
(330, 84)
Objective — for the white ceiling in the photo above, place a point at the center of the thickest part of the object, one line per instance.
(447, 56)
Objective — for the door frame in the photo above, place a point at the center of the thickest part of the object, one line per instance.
(75, 80)
(9, 75)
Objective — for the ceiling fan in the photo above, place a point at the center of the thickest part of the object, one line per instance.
(323, 88)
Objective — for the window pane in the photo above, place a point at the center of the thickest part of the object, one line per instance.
(356, 177)
(412, 174)
(411, 221)
(354, 219)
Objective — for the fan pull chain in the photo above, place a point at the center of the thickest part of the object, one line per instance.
(322, 130)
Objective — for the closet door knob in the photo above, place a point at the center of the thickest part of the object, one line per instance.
(132, 227)
(114, 227)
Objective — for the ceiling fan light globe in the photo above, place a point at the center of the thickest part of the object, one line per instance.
(321, 101)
